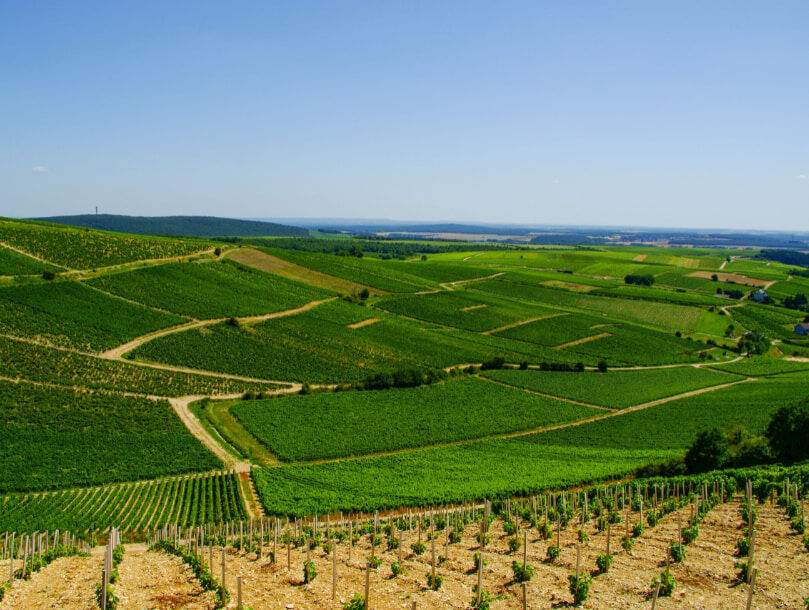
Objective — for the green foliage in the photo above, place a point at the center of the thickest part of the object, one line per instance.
(309, 571)
(580, 587)
(476, 561)
(14, 263)
(627, 543)
(54, 438)
(638, 528)
(434, 583)
(523, 572)
(418, 548)
(787, 433)
(604, 562)
(690, 534)
(708, 452)
(375, 562)
(355, 603)
(397, 569)
(513, 544)
(742, 547)
(553, 552)
(111, 602)
(483, 604)
(667, 584)
(677, 552)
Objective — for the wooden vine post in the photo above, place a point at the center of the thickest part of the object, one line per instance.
(480, 558)
(752, 586)
(334, 569)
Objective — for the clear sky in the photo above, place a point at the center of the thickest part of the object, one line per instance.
(661, 113)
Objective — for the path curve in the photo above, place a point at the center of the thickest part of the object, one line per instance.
(117, 353)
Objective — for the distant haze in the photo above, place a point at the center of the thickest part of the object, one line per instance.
(664, 114)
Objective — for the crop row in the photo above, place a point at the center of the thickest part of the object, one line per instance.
(188, 501)
(617, 388)
(57, 437)
(209, 290)
(69, 314)
(86, 249)
(775, 323)
(24, 360)
(357, 423)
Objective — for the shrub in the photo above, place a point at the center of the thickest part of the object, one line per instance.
(309, 571)
(375, 562)
(553, 552)
(583, 536)
(604, 562)
(709, 451)
(690, 534)
(513, 544)
(677, 552)
(435, 585)
(602, 368)
(111, 601)
(357, 603)
(797, 525)
(523, 367)
(742, 547)
(48, 275)
(397, 568)
(627, 543)
(806, 541)
(580, 587)
(476, 561)
(485, 599)
(638, 528)
(418, 548)
(544, 530)
(787, 427)
(523, 572)
(744, 568)
(666, 584)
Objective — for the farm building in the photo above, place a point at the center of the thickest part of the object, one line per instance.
(760, 296)
(802, 328)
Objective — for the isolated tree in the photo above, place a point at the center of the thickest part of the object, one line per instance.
(788, 433)
(602, 366)
(709, 451)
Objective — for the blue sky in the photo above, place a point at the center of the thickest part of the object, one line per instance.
(670, 113)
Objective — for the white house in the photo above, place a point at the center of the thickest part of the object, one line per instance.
(802, 328)
(760, 296)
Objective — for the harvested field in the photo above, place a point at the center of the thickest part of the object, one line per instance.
(730, 277)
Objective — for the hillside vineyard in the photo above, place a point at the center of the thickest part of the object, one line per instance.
(268, 422)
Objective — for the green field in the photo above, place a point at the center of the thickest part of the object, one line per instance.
(357, 423)
(69, 314)
(54, 438)
(617, 389)
(209, 290)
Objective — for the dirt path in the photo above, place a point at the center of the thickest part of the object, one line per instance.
(157, 580)
(180, 406)
(67, 583)
(582, 340)
(367, 322)
(452, 285)
(522, 323)
(117, 353)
